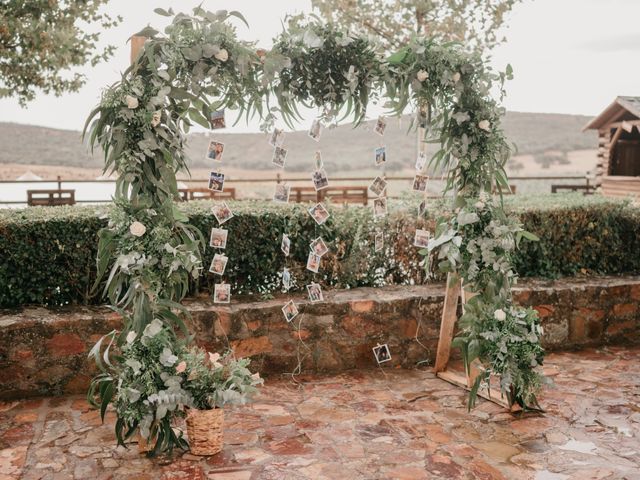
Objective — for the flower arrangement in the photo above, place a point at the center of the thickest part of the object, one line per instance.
(157, 377)
(214, 381)
(324, 67)
(506, 340)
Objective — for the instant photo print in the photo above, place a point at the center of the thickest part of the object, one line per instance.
(216, 181)
(218, 264)
(218, 238)
(315, 292)
(290, 311)
(215, 151)
(222, 293)
(382, 353)
(222, 212)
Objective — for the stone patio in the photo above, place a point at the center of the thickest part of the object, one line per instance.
(372, 424)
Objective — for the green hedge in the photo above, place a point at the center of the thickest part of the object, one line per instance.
(47, 254)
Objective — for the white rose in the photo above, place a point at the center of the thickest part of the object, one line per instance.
(484, 125)
(131, 336)
(155, 118)
(137, 229)
(500, 315)
(479, 205)
(132, 102)
(456, 77)
(222, 55)
(422, 75)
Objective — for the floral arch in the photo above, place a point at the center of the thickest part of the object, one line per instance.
(150, 253)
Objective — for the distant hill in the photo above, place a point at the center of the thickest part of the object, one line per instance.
(546, 137)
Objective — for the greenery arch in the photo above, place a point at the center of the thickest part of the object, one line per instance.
(150, 253)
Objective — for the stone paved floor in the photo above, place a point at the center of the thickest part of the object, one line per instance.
(398, 424)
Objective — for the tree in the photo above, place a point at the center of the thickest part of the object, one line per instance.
(41, 41)
(472, 22)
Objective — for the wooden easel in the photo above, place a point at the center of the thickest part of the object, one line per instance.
(449, 317)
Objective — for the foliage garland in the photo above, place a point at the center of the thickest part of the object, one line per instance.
(150, 251)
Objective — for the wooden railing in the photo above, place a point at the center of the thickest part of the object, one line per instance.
(354, 192)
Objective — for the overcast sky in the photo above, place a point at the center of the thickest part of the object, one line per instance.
(569, 56)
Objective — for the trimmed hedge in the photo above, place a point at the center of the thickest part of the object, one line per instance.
(47, 255)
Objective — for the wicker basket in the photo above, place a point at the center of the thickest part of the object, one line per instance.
(205, 430)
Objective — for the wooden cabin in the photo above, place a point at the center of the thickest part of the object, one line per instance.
(618, 168)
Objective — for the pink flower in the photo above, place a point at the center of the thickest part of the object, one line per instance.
(213, 358)
(181, 367)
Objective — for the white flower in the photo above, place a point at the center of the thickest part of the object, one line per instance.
(422, 75)
(222, 55)
(479, 205)
(461, 117)
(131, 336)
(167, 358)
(153, 328)
(484, 125)
(132, 102)
(137, 229)
(500, 315)
(155, 118)
(456, 77)
(134, 364)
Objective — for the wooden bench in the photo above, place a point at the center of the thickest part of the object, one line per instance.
(586, 189)
(511, 191)
(354, 194)
(50, 198)
(203, 193)
(304, 194)
(346, 194)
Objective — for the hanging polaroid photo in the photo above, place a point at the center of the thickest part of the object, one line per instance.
(222, 212)
(378, 186)
(382, 353)
(217, 120)
(381, 155)
(318, 160)
(279, 156)
(277, 138)
(320, 179)
(420, 183)
(222, 293)
(380, 206)
(422, 208)
(286, 279)
(422, 238)
(315, 292)
(316, 130)
(218, 264)
(319, 247)
(218, 238)
(290, 311)
(379, 242)
(319, 213)
(215, 151)
(381, 125)
(313, 262)
(421, 161)
(216, 181)
(285, 246)
(282, 193)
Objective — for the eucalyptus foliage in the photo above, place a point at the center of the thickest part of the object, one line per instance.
(150, 253)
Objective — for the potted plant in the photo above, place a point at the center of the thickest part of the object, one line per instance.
(212, 381)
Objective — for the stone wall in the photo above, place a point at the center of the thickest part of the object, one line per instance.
(45, 351)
